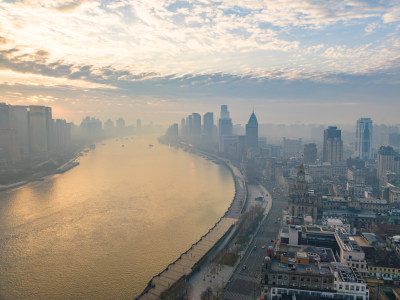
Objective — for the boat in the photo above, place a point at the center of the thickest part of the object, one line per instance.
(151, 145)
(122, 145)
(92, 146)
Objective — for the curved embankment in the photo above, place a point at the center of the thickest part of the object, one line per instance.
(190, 261)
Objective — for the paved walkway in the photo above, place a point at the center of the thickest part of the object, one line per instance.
(198, 282)
(184, 264)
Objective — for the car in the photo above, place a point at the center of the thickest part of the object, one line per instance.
(244, 267)
(263, 247)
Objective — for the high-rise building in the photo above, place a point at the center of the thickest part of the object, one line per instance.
(8, 138)
(224, 112)
(183, 127)
(292, 146)
(224, 126)
(333, 145)
(388, 161)
(138, 124)
(196, 125)
(208, 123)
(310, 153)
(91, 128)
(40, 128)
(252, 132)
(120, 123)
(363, 148)
(109, 127)
(19, 121)
(62, 136)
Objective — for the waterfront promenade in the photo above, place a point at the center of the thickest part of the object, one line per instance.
(184, 266)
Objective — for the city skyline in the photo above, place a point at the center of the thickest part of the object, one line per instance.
(330, 62)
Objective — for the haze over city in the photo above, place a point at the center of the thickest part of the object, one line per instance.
(200, 150)
(294, 61)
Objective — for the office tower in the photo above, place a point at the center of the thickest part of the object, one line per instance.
(120, 123)
(363, 147)
(19, 121)
(252, 132)
(183, 127)
(40, 128)
(224, 112)
(292, 146)
(310, 153)
(388, 161)
(109, 127)
(208, 123)
(138, 124)
(196, 126)
(91, 128)
(189, 125)
(224, 126)
(333, 145)
(62, 136)
(8, 138)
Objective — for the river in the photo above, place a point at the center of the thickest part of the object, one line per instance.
(104, 228)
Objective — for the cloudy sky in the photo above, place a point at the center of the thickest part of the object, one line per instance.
(326, 61)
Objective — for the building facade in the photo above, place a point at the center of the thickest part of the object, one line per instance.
(363, 145)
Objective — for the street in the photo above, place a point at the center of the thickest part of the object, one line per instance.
(245, 283)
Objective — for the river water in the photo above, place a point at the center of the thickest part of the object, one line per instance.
(104, 228)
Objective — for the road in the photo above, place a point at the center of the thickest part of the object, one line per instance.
(246, 283)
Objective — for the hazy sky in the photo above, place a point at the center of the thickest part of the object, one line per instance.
(292, 60)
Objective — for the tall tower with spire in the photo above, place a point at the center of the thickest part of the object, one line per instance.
(252, 132)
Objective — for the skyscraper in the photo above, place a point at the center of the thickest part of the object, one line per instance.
(333, 145)
(363, 147)
(224, 112)
(252, 132)
(388, 161)
(208, 123)
(310, 153)
(224, 126)
(196, 125)
(40, 122)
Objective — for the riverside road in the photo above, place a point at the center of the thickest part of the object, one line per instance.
(246, 282)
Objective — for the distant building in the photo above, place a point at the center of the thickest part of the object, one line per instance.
(333, 145)
(292, 146)
(62, 136)
(91, 128)
(310, 153)
(224, 126)
(19, 121)
(40, 122)
(120, 123)
(183, 127)
(8, 137)
(363, 145)
(224, 112)
(388, 161)
(394, 140)
(196, 126)
(252, 132)
(208, 123)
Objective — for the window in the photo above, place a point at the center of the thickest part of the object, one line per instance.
(347, 287)
(294, 278)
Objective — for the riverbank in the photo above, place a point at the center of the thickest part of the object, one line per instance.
(190, 261)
